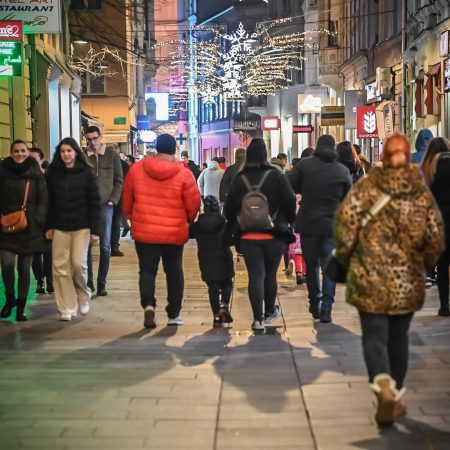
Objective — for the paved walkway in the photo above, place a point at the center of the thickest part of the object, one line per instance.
(104, 382)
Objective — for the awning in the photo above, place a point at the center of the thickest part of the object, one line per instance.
(418, 107)
(432, 102)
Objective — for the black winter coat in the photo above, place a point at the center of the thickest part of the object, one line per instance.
(13, 178)
(323, 183)
(74, 198)
(440, 187)
(279, 195)
(227, 179)
(193, 168)
(214, 256)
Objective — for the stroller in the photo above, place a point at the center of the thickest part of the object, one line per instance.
(294, 259)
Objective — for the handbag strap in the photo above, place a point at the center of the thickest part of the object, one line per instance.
(25, 198)
(375, 209)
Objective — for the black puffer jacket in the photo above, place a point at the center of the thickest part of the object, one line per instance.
(215, 257)
(440, 187)
(74, 198)
(323, 183)
(13, 178)
(279, 195)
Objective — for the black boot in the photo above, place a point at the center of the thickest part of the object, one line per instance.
(20, 316)
(40, 287)
(115, 251)
(9, 305)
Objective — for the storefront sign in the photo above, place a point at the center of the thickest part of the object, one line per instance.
(38, 16)
(443, 47)
(352, 99)
(366, 122)
(11, 59)
(302, 128)
(371, 89)
(143, 121)
(385, 119)
(270, 123)
(310, 104)
(332, 115)
(11, 30)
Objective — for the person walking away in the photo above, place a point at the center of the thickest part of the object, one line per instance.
(160, 199)
(107, 167)
(262, 241)
(190, 164)
(118, 218)
(22, 188)
(323, 183)
(348, 157)
(215, 259)
(230, 173)
(42, 262)
(423, 139)
(386, 265)
(209, 180)
(436, 170)
(73, 221)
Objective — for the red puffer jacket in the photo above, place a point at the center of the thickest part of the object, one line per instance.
(160, 198)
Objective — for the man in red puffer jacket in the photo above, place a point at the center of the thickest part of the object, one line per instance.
(160, 198)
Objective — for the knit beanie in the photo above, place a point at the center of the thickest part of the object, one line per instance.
(165, 143)
(211, 204)
(326, 141)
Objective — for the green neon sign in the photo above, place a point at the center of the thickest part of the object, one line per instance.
(11, 59)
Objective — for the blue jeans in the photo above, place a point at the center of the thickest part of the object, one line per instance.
(105, 249)
(317, 251)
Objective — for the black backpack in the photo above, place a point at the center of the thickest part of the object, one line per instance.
(254, 214)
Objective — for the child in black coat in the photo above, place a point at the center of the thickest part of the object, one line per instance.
(215, 259)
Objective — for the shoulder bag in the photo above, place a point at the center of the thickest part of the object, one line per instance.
(17, 220)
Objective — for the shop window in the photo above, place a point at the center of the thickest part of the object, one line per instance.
(333, 38)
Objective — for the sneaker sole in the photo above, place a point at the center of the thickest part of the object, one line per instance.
(149, 319)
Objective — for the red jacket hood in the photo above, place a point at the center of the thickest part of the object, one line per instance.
(161, 170)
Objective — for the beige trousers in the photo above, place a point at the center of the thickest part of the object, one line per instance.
(69, 267)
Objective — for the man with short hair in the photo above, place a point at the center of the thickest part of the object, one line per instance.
(282, 157)
(161, 198)
(190, 164)
(323, 183)
(106, 164)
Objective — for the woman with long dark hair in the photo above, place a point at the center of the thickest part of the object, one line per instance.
(262, 248)
(22, 185)
(348, 157)
(387, 261)
(436, 170)
(74, 220)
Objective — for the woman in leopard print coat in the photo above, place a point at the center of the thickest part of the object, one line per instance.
(387, 260)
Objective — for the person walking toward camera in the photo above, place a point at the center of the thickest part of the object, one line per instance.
(74, 220)
(215, 259)
(160, 199)
(23, 209)
(387, 261)
(262, 205)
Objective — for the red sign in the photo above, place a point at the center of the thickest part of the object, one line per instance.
(11, 30)
(270, 123)
(366, 122)
(302, 128)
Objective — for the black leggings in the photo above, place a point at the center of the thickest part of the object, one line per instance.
(262, 258)
(219, 292)
(8, 263)
(385, 344)
(442, 276)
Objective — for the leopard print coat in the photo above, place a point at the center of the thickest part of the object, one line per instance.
(387, 265)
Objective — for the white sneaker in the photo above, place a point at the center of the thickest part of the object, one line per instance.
(289, 269)
(65, 317)
(176, 321)
(84, 308)
(276, 313)
(258, 326)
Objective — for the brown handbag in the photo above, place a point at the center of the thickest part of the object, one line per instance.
(17, 220)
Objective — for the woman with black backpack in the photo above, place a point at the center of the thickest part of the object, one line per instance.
(261, 207)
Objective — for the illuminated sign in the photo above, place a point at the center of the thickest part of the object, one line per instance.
(10, 59)
(366, 122)
(270, 123)
(11, 30)
(158, 105)
(37, 16)
(302, 128)
(332, 115)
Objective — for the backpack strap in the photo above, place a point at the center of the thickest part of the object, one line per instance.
(255, 187)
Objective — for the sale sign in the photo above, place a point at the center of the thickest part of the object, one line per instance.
(366, 122)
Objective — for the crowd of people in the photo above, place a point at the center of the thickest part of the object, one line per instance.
(385, 224)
